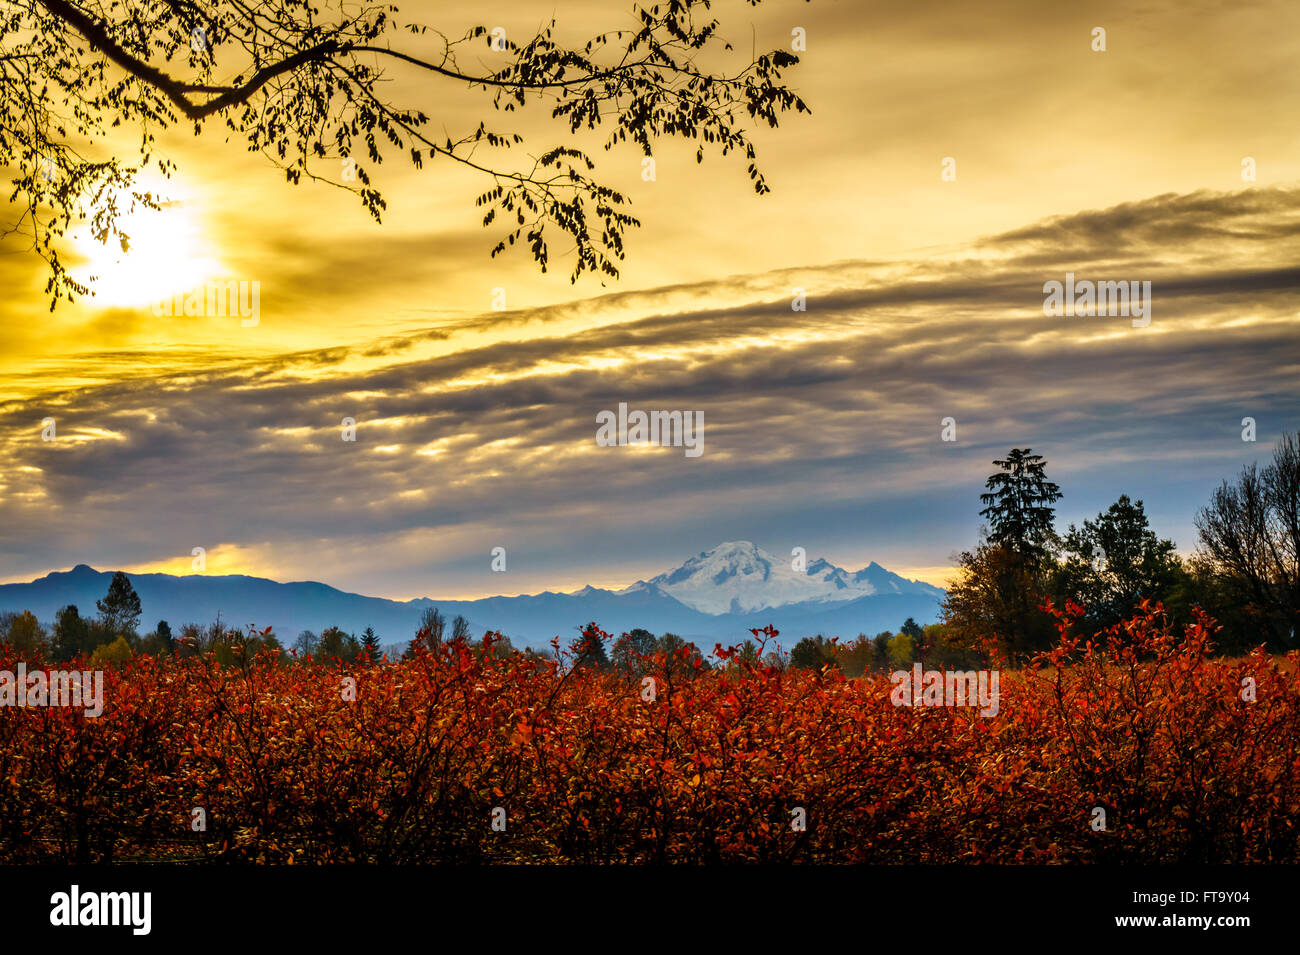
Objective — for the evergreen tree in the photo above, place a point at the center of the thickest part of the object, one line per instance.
(370, 645)
(591, 649)
(120, 609)
(1018, 505)
(71, 634)
(912, 629)
(880, 644)
(159, 642)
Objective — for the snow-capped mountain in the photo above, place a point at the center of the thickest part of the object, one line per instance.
(715, 597)
(740, 577)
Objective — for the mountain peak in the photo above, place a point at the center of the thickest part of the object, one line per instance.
(726, 547)
(741, 577)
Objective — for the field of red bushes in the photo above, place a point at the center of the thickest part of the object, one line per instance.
(289, 766)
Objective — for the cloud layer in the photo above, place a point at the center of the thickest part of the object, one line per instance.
(822, 427)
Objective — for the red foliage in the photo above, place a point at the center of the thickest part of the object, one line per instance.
(290, 768)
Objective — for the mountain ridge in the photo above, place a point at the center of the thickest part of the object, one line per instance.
(717, 595)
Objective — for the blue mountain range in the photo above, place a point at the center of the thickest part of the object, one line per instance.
(714, 597)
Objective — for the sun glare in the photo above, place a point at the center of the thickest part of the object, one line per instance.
(166, 254)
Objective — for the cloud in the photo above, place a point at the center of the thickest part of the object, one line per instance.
(821, 426)
(1205, 220)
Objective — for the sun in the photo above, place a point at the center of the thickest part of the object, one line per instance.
(166, 253)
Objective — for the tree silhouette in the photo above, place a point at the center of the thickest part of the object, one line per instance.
(335, 643)
(304, 84)
(370, 645)
(632, 650)
(22, 631)
(432, 625)
(71, 634)
(1250, 541)
(591, 649)
(812, 653)
(912, 629)
(164, 632)
(1018, 504)
(1116, 561)
(120, 608)
(460, 630)
(995, 600)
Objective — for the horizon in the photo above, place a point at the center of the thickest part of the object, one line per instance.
(430, 597)
(893, 279)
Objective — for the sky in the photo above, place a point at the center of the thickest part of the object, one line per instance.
(475, 425)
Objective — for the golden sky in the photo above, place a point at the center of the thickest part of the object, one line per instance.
(475, 425)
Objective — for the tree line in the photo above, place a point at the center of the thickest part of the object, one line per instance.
(1244, 572)
(113, 636)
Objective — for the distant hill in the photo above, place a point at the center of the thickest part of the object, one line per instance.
(714, 597)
